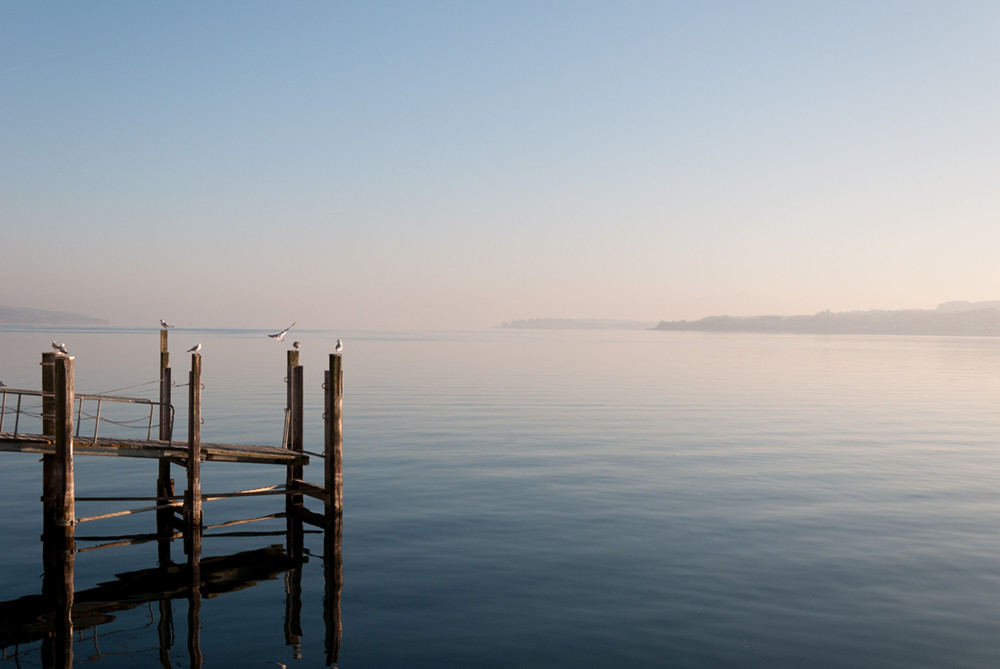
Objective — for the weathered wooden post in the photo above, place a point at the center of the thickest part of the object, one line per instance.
(164, 484)
(48, 429)
(59, 537)
(65, 504)
(293, 520)
(333, 437)
(333, 467)
(165, 426)
(295, 413)
(192, 497)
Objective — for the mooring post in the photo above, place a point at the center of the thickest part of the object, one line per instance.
(192, 497)
(295, 422)
(165, 426)
(65, 505)
(193, 514)
(333, 437)
(295, 442)
(164, 484)
(58, 545)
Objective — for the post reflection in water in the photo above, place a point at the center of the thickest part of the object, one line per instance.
(58, 556)
(52, 617)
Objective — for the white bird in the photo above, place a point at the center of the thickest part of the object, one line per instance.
(281, 335)
(60, 347)
(339, 347)
(165, 324)
(195, 348)
(296, 345)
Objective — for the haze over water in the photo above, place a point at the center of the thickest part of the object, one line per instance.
(551, 499)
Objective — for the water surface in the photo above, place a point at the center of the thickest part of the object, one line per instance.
(555, 499)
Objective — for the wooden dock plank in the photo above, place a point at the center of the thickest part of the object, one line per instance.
(153, 448)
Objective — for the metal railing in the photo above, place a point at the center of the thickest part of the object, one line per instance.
(79, 399)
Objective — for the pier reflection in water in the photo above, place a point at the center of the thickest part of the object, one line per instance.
(58, 616)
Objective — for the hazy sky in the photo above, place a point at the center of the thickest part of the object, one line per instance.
(457, 164)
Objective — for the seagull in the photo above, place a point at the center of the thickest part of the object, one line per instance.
(339, 347)
(165, 324)
(60, 347)
(195, 348)
(281, 335)
(296, 345)
(2, 384)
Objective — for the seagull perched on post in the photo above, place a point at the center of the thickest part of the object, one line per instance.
(281, 335)
(339, 347)
(165, 324)
(60, 347)
(195, 348)
(296, 345)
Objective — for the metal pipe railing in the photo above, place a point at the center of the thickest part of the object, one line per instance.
(81, 397)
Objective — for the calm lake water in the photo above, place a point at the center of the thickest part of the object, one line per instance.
(567, 499)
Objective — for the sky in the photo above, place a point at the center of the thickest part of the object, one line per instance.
(456, 164)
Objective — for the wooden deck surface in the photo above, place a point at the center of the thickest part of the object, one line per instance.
(152, 448)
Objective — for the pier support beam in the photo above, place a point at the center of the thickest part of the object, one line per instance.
(333, 437)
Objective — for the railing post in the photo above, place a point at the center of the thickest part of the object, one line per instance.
(333, 438)
(97, 420)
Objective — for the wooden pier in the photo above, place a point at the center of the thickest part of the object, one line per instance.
(153, 448)
(59, 443)
(177, 516)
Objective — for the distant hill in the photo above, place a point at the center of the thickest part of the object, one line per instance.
(16, 316)
(950, 318)
(962, 305)
(577, 324)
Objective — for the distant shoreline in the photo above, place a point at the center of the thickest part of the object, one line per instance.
(577, 324)
(24, 316)
(946, 320)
